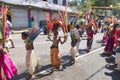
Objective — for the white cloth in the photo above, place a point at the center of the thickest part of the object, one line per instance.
(77, 33)
(60, 32)
(73, 52)
(9, 36)
(31, 61)
(9, 24)
(78, 38)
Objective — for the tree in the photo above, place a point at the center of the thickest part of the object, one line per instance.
(107, 3)
(85, 4)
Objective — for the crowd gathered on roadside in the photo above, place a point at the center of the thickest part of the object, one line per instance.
(88, 24)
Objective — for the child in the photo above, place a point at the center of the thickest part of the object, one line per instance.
(73, 52)
(117, 59)
(31, 60)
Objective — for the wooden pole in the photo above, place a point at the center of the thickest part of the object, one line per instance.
(66, 21)
(4, 12)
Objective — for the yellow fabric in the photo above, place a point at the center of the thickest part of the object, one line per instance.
(55, 60)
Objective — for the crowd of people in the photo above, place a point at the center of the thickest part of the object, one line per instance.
(82, 24)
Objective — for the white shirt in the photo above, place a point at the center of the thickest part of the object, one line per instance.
(77, 33)
(9, 24)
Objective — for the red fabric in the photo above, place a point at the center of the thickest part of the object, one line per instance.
(117, 35)
(94, 24)
(90, 33)
(61, 25)
(49, 26)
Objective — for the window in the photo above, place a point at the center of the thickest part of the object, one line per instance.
(55, 1)
(64, 2)
(44, 0)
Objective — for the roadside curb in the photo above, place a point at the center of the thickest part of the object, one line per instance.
(18, 32)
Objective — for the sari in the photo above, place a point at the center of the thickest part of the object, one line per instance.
(7, 66)
(110, 42)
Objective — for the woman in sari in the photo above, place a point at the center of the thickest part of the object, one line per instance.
(111, 40)
(7, 67)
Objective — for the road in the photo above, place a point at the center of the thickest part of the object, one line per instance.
(87, 64)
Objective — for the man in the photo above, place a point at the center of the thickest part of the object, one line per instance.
(31, 59)
(78, 37)
(54, 53)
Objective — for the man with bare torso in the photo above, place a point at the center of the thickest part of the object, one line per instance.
(54, 53)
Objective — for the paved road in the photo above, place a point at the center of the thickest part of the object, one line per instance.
(84, 69)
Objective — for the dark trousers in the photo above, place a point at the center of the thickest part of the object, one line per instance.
(89, 42)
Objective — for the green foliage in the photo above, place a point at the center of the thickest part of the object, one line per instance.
(105, 2)
(85, 4)
(73, 3)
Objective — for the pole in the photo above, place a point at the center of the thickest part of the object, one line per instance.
(4, 12)
(29, 17)
(66, 21)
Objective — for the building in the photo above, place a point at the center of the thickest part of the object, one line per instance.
(23, 10)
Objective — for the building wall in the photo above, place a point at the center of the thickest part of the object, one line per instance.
(20, 18)
(60, 2)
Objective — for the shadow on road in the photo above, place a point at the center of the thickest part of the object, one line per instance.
(83, 51)
(111, 66)
(41, 68)
(110, 59)
(19, 76)
(115, 75)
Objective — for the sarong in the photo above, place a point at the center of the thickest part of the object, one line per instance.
(31, 61)
(54, 55)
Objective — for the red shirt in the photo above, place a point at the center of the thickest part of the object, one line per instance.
(90, 33)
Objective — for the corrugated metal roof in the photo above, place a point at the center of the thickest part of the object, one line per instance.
(37, 3)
